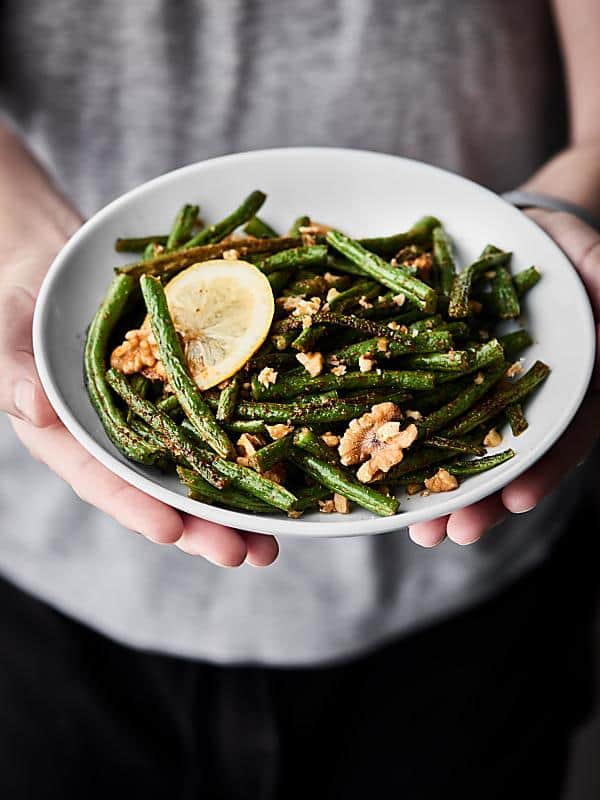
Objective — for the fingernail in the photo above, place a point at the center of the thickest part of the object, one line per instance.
(25, 399)
(525, 510)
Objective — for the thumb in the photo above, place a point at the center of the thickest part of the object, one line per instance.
(21, 393)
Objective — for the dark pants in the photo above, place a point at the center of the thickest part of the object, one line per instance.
(480, 706)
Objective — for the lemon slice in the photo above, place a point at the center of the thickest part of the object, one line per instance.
(223, 310)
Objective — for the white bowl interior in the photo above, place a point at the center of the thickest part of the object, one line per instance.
(362, 193)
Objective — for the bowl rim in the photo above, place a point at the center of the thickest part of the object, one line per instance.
(279, 524)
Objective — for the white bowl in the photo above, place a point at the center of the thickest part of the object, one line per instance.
(364, 194)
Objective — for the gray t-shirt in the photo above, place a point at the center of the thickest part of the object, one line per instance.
(113, 93)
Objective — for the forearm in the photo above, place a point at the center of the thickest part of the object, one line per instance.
(573, 175)
(35, 218)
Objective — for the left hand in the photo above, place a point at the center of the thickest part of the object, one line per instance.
(581, 243)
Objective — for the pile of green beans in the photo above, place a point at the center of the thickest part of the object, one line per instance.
(392, 319)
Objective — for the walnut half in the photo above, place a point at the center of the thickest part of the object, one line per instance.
(376, 441)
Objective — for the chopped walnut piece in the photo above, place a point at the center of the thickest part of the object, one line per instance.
(364, 303)
(411, 414)
(478, 379)
(422, 262)
(331, 294)
(279, 431)
(267, 376)
(312, 362)
(491, 273)
(330, 439)
(294, 514)
(414, 488)
(382, 345)
(139, 353)
(306, 322)
(339, 370)
(366, 363)
(442, 481)
(393, 325)
(231, 255)
(330, 278)
(299, 306)
(248, 444)
(243, 461)
(399, 299)
(341, 503)
(492, 438)
(515, 369)
(376, 436)
(326, 506)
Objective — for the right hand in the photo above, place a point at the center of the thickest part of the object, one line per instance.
(35, 222)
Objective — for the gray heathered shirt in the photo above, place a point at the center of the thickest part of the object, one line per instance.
(113, 93)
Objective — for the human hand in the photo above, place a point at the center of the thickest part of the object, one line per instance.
(581, 243)
(35, 222)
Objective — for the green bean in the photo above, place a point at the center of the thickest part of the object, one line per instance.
(169, 433)
(236, 426)
(307, 413)
(387, 246)
(258, 486)
(276, 360)
(343, 300)
(290, 386)
(99, 332)
(141, 385)
(199, 489)
(400, 345)
(166, 265)
(138, 244)
(182, 227)
(301, 222)
(500, 399)
(516, 418)
(171, 353)
(215, 233)
(271, 454)
(306, 439)
(258, 228)
(279, 280)
(443, 259)
(228, 399)
(461, 403)
(356, 323)
(309, 497)
(483, 355)
(413, 461)
(342, 483)
(461, 468)
(515, 342)
(295, 258)
(461, 286)
(454, 361)
(456, 445)
(308, 338)
(395, 278)
(169, 405)
(505, 301)
(526, 280)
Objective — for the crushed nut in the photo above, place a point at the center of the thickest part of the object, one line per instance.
(231, 255)
(299, 306)
(326, 506)
(279, 431)
(330, 278)
(515, 369)
(277, 474)
(341, 503)
(491, 273)
(247, 445)
(294, 514)
(306, 321)
(442, 481)
(330, 439)
(412, 414)
(364, 303)
(492, 438)
(382, 345)
(312, 362)
(267, 376)
(399, 299)
(331, 294)
(366, 363)
(243, 461)
(478, 379)
(414, 488)
(339, 370)
(393, 325)
(375, 441)
(139, 353)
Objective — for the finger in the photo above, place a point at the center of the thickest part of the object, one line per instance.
(468, 525)
(262, 549)
(21, 394)
(430, 533)
(223, 546)
(529, 489)
(580, 242)
(96, 485)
